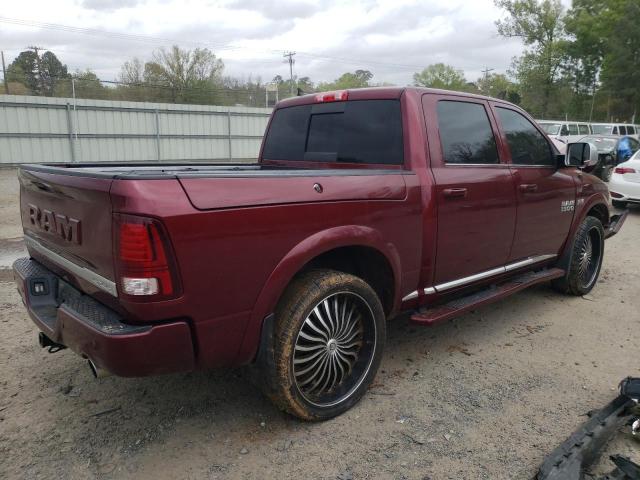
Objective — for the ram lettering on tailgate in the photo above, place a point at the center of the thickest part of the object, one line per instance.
(65, 227)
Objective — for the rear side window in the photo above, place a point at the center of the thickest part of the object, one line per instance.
(528, 146)
(364, 131)
(573, 129)
(466, 134)
(584, 129)
(631, 130)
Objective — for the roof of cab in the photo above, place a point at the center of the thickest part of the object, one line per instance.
(382, 93)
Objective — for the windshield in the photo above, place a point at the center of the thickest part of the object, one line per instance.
(551, 128)
(602, 129)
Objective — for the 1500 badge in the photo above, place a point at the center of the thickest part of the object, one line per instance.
(567, 205)
(65, 227)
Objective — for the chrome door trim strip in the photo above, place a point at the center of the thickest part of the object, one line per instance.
(494, 271)
(528, 261)
(414, 294)
(93, 278)
(470, 279)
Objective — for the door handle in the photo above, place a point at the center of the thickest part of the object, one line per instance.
(455, 192)
(528, 187)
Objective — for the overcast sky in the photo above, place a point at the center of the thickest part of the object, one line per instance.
(392, 38)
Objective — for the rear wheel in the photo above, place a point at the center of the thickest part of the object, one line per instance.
(585, 260)
(330, 333)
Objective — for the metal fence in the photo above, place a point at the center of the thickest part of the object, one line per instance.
(49, 130)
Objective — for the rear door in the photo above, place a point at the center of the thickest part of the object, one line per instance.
(473, 187)
(545, 194)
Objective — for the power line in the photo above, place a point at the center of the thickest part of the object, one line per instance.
(151, 39)
(291, 62)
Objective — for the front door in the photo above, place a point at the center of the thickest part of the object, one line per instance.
(474, 189)
(546, 194)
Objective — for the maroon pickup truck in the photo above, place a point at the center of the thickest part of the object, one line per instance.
(364, 204)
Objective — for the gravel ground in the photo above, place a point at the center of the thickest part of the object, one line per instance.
(485, 396)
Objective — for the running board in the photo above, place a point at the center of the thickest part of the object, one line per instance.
(441, 313)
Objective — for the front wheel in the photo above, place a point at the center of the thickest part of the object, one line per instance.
(585, 259)
(330, 334)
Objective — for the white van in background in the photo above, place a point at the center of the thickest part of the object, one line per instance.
(621, 129)
(565, 131)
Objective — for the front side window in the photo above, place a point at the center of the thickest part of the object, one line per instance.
(573, 129)
(465, 133)
(357, 131)
(584, 129)
(528, 146)
(564, 131)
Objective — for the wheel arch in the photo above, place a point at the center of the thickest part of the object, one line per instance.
(349, 248)
(597, 207)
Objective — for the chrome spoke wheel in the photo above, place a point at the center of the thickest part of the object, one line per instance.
(334, 349)
(589, 257)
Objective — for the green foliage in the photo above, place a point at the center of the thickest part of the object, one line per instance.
(39, 74)
(539, 24)
(441, 76)
(497, 85)
(357, 79)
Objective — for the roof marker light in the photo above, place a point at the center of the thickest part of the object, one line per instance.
(337, 96)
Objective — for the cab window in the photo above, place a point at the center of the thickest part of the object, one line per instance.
(527, 145)
(466, 134)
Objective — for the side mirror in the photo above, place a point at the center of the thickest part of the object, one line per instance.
(581, 155)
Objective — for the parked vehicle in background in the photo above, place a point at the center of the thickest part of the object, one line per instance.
(364, 204)
(619, 129)
(625, 182)
(566, 132)
(612, 150)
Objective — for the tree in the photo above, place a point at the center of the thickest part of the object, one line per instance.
(185, 73)
(539, 24)
(357, 79)
(497, 85)
(605, 50)
(39, 74)
(441, 76)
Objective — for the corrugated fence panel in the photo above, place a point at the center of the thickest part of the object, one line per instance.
(41, 129)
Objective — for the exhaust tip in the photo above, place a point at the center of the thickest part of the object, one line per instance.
(96, 371)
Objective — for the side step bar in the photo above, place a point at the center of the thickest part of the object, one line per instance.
(441, 313)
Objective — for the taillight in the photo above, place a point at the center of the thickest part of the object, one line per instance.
(623, 170)
(337, 96)
(143, 259)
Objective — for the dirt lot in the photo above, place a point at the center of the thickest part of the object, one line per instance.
(485, 396)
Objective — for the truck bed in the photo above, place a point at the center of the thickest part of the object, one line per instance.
(143, 171)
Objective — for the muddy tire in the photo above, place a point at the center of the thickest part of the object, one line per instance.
(585, 259)
(329, 334)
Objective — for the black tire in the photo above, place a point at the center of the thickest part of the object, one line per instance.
(585, 259)
(347, 348)
(619, 204)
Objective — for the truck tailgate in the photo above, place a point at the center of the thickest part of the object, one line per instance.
(67, 224)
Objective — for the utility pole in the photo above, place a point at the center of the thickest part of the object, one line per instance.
(486, 77)
(4, 75)
(39, 66)
(291, 62)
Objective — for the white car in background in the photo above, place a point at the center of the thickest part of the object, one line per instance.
(565, 131)
(624, 185)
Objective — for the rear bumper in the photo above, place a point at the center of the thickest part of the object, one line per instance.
(96, 332)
